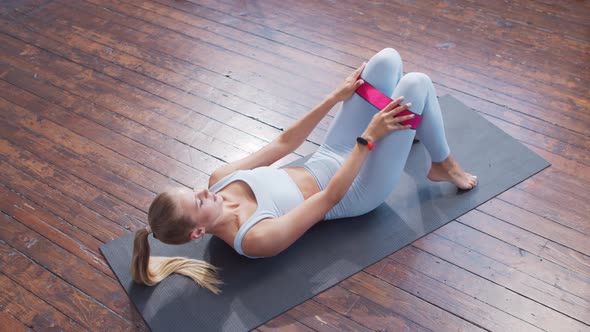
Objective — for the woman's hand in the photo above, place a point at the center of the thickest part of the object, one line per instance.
(349, 86)
(385, 122)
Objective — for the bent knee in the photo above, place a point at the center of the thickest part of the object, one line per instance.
(390, 53)
(387, 60)
(384, 70)
(416, 79)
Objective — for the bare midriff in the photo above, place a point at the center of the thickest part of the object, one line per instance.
(304, 180)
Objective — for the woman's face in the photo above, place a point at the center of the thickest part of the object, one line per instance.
(202, 206)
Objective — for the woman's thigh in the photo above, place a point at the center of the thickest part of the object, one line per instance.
(383, 168)
(383, 71)
(378, 176)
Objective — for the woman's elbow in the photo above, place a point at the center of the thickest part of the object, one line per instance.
(333, 196)
(259, 245)
(273, 253)
(265, 253)
(286, 142)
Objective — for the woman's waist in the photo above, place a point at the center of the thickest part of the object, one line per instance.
(304, 180)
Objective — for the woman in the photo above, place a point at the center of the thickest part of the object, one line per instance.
(260, 211)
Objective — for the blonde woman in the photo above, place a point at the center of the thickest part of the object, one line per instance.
(260, 211)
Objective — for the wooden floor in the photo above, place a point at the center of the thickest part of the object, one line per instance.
(104, 102)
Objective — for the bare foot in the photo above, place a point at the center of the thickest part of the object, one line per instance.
(449, 170)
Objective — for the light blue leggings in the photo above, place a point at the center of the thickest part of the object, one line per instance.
(383, 168)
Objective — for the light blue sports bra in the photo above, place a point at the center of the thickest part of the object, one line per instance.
(276, 194)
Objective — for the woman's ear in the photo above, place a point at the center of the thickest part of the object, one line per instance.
(197, 233)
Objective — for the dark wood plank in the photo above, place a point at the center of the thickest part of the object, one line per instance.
(158, 163)
(290, 81)
(453, 14)
(83, 191)
(189, 164)
(314, 70)
(227, 137)
(244, 15)
(536, 224)
(192, 26)
(85, 311)
(51, 121)
(559, 17)
(536, 139)
(131, 102)
(506, 276)
(561, 191)
(365, 311)
(547, 209)
(321, 318)
(14, 9)
(567, 166)
(541, 247)
(447, 298)
(76, 272)
(117, 12)
(190, 160)
(508, 114)
(66, 149)
(397, 300)
(451, 17)
(413, 54)
(283, 323)
(32, 310)
(474, 287)
(183, 48)
(10, 323)
(53, 228)
(241, 22)
(558, 182)
(58, 203)
(527, 262)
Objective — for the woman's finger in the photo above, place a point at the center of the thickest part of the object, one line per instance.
(401, 108)
(399, 119)
(391, 106)
(396, 126)
(358, 71)
(357, 84)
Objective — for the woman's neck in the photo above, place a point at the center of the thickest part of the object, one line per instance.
(229, 221)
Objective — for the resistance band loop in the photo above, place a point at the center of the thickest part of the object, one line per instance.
(379, 100)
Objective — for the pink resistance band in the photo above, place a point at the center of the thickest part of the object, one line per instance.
(379, 100)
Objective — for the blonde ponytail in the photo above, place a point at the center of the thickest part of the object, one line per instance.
(150, 271)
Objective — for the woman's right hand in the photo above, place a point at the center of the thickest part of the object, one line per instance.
(349, 86)
(384, 122)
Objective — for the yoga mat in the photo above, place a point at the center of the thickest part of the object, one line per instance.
(257, 290)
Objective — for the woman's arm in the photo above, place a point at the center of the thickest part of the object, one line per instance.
(298, 132)
(295, 135)
(272, 236)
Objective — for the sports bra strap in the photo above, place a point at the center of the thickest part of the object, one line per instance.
(254, 219)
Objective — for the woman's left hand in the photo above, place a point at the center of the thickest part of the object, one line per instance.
(349, 86)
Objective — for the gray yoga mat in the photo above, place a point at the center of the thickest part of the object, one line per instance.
(257, 290)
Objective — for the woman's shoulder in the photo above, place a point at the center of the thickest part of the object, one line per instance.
(219, 180)
(254, 237)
